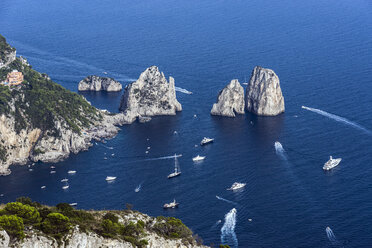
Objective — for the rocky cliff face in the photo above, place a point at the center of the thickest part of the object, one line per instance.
(150, 95)
(230, 100)
(7, 53)
(264, 95)
(96, 83)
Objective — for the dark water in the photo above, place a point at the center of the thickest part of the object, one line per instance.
(321, 51)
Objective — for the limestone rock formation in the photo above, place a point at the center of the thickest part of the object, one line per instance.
(230, 100)
(150, 95)
(7, 53)
(96, 83)
(264, 95)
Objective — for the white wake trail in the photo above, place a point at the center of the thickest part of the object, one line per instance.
(338, 118)
(280, 150)
(225, 200)
(228, 235)
(166, 157)
(183, 90)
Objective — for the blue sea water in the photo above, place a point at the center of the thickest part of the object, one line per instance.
(322, 53)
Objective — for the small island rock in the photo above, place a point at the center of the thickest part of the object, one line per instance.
(150, 95)
(96, 83)
(230, 100)
(264, 95)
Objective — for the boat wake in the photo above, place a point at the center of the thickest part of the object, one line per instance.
(225, 200)
(228, 235)
(166, 157)
(183, 90)
(216, 224)
(339, 119)
(138, 188)
(280, 150)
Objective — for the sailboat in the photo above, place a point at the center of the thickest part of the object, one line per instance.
(177, 170)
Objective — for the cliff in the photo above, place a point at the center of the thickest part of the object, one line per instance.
(96, 83)
(264, 95)
(26, 224)
(7, 53)
(150, 95)
(230, 100)
(42, 121)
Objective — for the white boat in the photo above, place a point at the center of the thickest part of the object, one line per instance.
(105, 72)
(206, 140)
(110, 178)
(236, 186)
(30, 169)
(331, 163)
(137, 189)
(73, 204)
(52, 172)
(71, 172)
(195, 116)
(105, 158)
(64, 180)
(146, 151)
(43, 187)
(173, 204)
(65, 187)
(198, 158)
(52, 167)
(177, 170)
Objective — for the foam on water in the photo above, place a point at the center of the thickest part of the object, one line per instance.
(280, 150)
(338, 118)
(183, 90)
(166, 157)
(228, 235)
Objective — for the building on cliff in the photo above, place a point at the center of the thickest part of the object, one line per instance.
(14, 78)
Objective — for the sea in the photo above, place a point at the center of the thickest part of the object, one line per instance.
(320, 49)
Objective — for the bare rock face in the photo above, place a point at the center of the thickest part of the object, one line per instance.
(7, 53)
(96, 83)
(264, 95)
(230, 100)
(150, 95)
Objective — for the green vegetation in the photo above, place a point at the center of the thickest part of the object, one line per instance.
(224, 246)
(58, 221)
(4, 48)
(3, 154)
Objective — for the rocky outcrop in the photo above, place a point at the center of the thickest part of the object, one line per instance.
(150, 95)
(230, 100)
(96, 83)
(7, 53)
(264, 95)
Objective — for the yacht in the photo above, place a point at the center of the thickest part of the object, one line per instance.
(64, 180)
(236, 186)
(177, 170)
(331, 163)
(198, 158)
(52, 172)
(110, 178)
(73, 204)
(43, 187)
(205, 141)
(173, 204)
(71, 172)
(65, 187)
(52, 167)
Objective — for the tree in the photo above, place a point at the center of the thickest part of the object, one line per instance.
(56, 224)
(29, 214)
(13, 225)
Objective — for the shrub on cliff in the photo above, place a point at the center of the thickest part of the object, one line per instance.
(29, 214)
(172, 228)
(56, 224)
(13, 225)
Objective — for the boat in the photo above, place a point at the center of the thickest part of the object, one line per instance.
(71, 172)
(177, 170)
(105, 158)
(173, 204)
(64, 180)
(146, 151)
(30, 169)
(198, 158)
(195, 116)
(138, 188)
(73, 204)
(331, 163)
(52, 172)
(65, 187)
(43, 187)
(205, 141)
(236, 186)
(110, 178)
(52, 167)
(105, 72)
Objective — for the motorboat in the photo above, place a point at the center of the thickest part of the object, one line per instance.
(206, 140)
(73, 204)
(65, 187)
(110, 178)
(198, 158)
(52, 167)
(236, 186)
(331, 163)
(173, 204)
(71, 172)
(43, 187)
(177, 170)
(52, 172)
(137, 189)
(64, 180)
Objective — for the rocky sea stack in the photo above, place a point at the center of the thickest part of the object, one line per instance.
(230, 100)
(96, 83)
(264, 95)
(150, 95)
